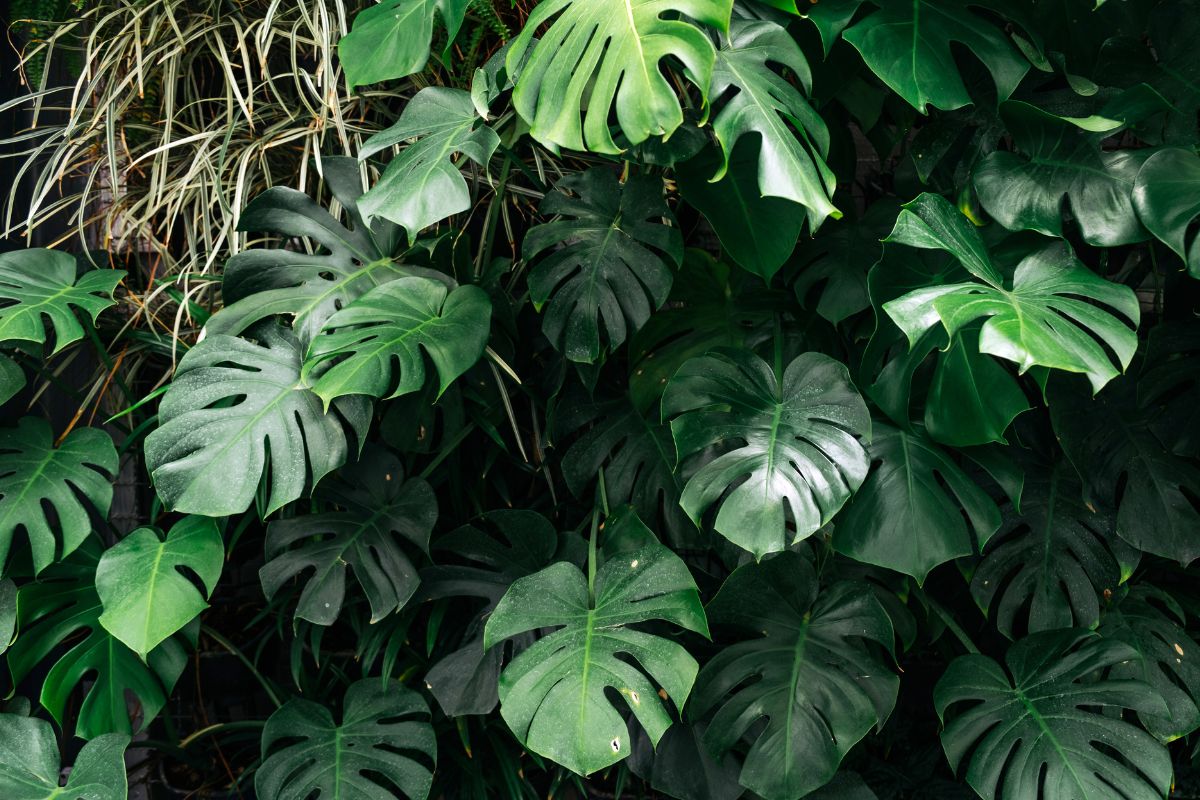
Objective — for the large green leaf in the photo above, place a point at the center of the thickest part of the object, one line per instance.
(787, 443)
(391, 40)
(917, 508)
(907, 43)
(12, 378)
(1049, 562)
(383, 745)
(1059, 161)
(147, 597)
(835, 263)
(59, 619)
(1152, 623)
(307, 287)
(1044, 729)
(237, 414)
(1167, 197)
(613, 248)
(39, 285)
(972, 397)
(591, 56)
(36, 478)
(30, 769)
(554, 694)
(812, 671)
(371, 509)
(376, 346)
(753, 99)
(422, 186)
(1043, 320)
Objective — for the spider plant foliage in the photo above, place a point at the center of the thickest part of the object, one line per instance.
(653, 398)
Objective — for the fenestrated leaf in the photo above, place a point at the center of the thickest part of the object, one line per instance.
(812, 671)
(1042, 320)
(917, 508)
(753, 99)
(308, 287)
(1166, 194)
(553, 695)
(1059, 161)
(613, 262)
(1049, 562)
(787, 443)
(1152, 623)
(237, 414)
(371, 511)
(70, 479)
(472, 562)
(422, 186)
(12, 378)
(147, 598)
(30, 768)
(39, 286)
(377, 345)
(1044, 728)
(383, 744)
(592, 56)
(60, 613)
(907, 43)
(391, 40)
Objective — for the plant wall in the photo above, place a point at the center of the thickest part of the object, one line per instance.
(681, 398)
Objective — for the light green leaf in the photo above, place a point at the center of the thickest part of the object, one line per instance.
(391, 40)
(384, 743)
(38, 283)
(30, 769)
(376, 346)
(422, 186)
(1167, 197)
(788, 443)
(12, 378)
(146, 596)
(554, 694)
(1033, 731)
(611, 260)
(592, 56)
(72, 478)
(931, 223)
(232, 401)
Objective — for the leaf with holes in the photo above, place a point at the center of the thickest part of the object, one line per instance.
(383, 745)
(39, 286)
(30, 768)
(610, 262)
(812, 671)
(371, 511)
(392, 40)
(71, 479)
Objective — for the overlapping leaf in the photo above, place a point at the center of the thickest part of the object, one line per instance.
(30, 769)
(1167, 197)
(391, 40)
(39, 286)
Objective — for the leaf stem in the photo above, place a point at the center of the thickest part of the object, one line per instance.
(592, 557)
(949, 621)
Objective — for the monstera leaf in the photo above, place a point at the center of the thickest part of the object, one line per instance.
(481, 561)
(422, 186)
(36, 477)
(59, 615)
(1042, 320)
(372, 509)
(613, 263)
(231, 403)
(788, 443)
(391, 40)
(1151, 622)
(307, 288)
(972, 398)
(146, 596)
(1167, 197)
(8, 613)
(1045, 728)
(591, 56)
(554, 694)
(791, 162)
(376, 346)
(1049, 561)
(383, 744)
(835, 263)
(30, 769)
(1059, 161)
(907, 43)
(39, 285)
(812, 671)
(917, 509)
(12, 378)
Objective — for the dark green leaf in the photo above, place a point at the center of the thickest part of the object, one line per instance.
(12, 378)
(1167, 197)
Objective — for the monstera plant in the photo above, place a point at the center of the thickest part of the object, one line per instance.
(682, 398)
